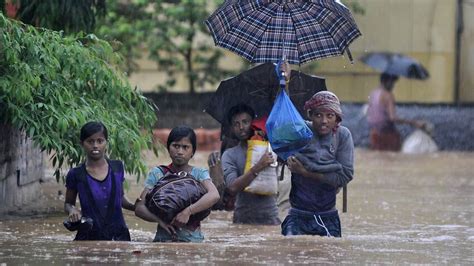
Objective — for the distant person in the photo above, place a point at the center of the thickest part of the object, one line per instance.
(382, 117)
(99, 184)
(181, 145)
(313, 194)
(249, 208)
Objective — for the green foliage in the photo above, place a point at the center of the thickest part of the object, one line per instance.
(355, 6)
(126, 26)
(51, 85)
(178, 43)
(67, 15)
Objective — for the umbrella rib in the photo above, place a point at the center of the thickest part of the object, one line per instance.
(263, 32)
(258, 91)
(233, 30)
(266, 30)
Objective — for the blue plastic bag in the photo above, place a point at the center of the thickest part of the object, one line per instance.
(286, 129)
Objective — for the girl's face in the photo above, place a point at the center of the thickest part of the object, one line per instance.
(95, 146)
(324, 122)
(181, 151)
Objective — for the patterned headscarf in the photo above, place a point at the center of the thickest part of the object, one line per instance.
(325, 100)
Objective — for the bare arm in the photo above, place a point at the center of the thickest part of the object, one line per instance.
(142, 211)
(244, 180)
(126, 204)
(205, 202)
(74, 214)
(390, 103)
(344, 156)
(215, 168)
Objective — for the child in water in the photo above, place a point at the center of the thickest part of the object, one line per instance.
(181, 145)
(99, 184)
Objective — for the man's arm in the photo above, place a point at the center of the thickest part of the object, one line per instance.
(239, 183)
(344, 155)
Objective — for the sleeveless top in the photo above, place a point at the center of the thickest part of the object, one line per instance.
(377, 114)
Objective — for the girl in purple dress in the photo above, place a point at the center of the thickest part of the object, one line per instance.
(99, 184)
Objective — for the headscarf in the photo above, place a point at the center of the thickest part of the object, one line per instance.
(325, 100)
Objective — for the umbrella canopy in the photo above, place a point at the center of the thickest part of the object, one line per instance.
(297, 30)
(395, 64)
(258, 88)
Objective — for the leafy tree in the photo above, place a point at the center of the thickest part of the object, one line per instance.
(68, 15)
(178, 43)
(355, 6)
(50, 85)
(126, 25)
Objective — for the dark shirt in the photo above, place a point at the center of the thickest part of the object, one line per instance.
(316, 196)
(112, 228)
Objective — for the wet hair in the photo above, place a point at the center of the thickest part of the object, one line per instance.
(385, 77)
(180, 132)
(91, 128)
(239, 109)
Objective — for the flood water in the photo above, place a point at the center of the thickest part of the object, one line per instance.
(401, 209)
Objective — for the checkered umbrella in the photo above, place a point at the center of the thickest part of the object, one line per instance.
(296, 30)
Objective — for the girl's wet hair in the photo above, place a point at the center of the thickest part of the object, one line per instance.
(91, 128)
(179, 133)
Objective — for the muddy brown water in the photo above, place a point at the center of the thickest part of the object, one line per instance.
(403, 209)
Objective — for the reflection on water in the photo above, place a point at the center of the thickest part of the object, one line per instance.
(402, 208)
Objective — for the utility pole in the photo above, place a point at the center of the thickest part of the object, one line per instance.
(457, 63)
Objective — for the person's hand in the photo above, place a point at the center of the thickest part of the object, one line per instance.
(182, 218)
(167, 227)
(295, 166)
(266, 160)
(74, 215)
(285, 68)
(214, 159)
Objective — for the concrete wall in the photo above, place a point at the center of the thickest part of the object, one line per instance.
(21, 169)
(423, 29)
(453, 126)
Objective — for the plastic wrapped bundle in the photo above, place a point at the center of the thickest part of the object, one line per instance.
(286, 129)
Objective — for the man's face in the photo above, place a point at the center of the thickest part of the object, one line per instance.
(324, 121)
(241, 126)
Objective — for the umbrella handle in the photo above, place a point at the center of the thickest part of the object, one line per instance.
(349, 54)
(281, 75)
